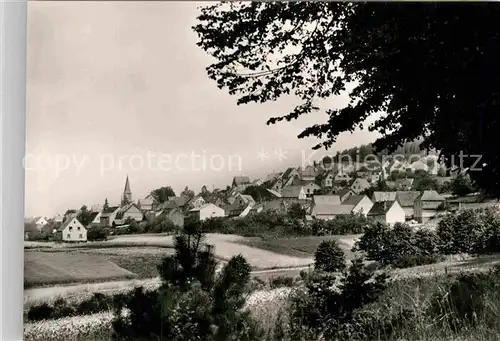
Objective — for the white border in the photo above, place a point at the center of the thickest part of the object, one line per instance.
(13, 41)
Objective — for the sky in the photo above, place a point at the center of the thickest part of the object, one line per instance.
(120, 88)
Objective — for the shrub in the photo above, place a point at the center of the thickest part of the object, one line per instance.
(329, 257)
(40, 312)
(193, 302)
(280, 281)
(96, 234)
(329, 303)
(399, 246)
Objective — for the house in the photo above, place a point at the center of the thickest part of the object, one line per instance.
(326, 200)
(404, 184)
(58, 219)
(175, 215)
(256, 182)
(328, 180)
(72, 230)
(419, 165)
(360, 185)
(108, 216)
(293, 192)
(328, 212)
(207, 211)
(127, 212)
(383, 196)
(274, 193)
(146, 204)
(241, 182)
(375, 177)
(309, 173)
(342, 176)
(344, 193)
(277, 185)
(360, 204)
(40, 222)
(272, 177)
(387, 212)
(407, 200)
(291, 177)
(240, 207)
(310, 187)
(428, 205)
(97, 219)
(196, 202)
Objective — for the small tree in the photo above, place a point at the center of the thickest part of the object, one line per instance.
(296, 211)
(329, 257)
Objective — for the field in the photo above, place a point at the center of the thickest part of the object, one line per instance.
(302, 247)
(42, 268)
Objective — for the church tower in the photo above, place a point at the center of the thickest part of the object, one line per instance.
(127, 193)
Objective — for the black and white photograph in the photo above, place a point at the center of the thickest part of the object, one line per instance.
(248, 171)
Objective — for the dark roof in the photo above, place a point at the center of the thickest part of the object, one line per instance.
(343, 192)
(380, 208)
(353, 200)
(407, 198)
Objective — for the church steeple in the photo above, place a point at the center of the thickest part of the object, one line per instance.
(127, 193)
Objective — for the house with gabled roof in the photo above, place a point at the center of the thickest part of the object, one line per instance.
(383, 196)
(326, 200)
(196, 202)
(360, 204)
(72, 230)
(127, 212)
(327, 207)
(241, 182)
(342, 176)
(407, 200)
(328, 179)
(404, 184)
(207, 211)
(146, 204)
(310, 187)
(427, 206)
(343, 193)
(387, 212)
(108, 216)
(308, 173)
(293, 192)
(360, 185)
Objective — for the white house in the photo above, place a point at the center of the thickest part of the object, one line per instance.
(108, 216)
(359, 185)
(388, 212)
(342, 177)
(310, 187)
(198, 201)
(97, 218)
(73, 231)
(360, 203)
(207, 211)
(58, 219)
(40, 223)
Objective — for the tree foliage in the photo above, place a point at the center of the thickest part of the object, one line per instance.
(399, 61)
(84, 216)
(329, 257)
(162, 194)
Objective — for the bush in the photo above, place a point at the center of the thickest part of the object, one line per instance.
(96, 234)
(329, 257)
(328, 305)
(40, 312)
(280, 281)
(399, 246)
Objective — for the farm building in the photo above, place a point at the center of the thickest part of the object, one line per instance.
(388, 212)
(360, 203)
(72, 230)
(428, 205)
(310, 187)
(207, 211)
(344, 193)
(407, 201)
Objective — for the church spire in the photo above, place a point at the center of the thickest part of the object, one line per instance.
(127, 193)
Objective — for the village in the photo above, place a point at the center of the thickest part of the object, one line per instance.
(388, 193)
